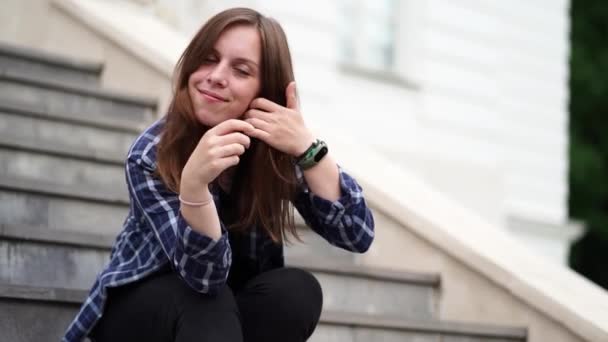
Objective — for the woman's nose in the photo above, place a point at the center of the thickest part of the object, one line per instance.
(217, 75)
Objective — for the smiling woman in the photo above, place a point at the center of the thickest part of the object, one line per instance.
(212, 188)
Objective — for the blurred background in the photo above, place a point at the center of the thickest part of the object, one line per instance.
(481, 125)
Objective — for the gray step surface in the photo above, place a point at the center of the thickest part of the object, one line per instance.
(340, 326)
(40, 206)
(49, 66)
(114, 195)
(52, 258)
(96, 175)
(55, 96)
(63, 138)
(123, 123)
(71, 207)
(42, 314)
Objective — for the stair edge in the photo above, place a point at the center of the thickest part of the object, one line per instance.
(12, 107)
(99, 93)
(44, 57)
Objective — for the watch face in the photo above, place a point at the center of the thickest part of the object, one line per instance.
(322, 152)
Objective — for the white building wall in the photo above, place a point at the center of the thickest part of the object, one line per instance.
(496, 79)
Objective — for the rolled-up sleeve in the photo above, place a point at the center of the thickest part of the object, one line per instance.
(203, 263)
(347, 223)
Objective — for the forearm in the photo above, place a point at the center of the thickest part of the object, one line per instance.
(203, 219)
(347, 223)
(323, 179)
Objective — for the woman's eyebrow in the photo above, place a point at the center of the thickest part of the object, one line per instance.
(245, 61)
(238, 59)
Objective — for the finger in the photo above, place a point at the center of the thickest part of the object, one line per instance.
(258, 114)
(265, 105)
(230, 126)
(234, 138)
(259, 134)
(226, 162)
(230, 150)
(259, 124)
(233, 160)
(291, 96)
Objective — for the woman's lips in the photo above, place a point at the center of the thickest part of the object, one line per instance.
(211, 96)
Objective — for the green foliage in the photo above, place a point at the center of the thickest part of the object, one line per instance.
(589, 136)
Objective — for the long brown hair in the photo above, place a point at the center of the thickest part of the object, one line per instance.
(265, 180)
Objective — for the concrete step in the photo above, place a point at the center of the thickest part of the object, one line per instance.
(94, 174)
(49, 66)
(113, 195)
(51, 258)
(352, 327)
(56, 96)
(29, 314)
(63, 138)
(36, 111)
(43, 313)
(36, 263)
(72, 208)
(34, 145)
(62, 159)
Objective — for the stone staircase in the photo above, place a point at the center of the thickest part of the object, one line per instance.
(63, 198)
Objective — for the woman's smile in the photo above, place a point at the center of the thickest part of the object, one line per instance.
(212, 96)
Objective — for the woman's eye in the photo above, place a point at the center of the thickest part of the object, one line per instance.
(242, 72)
(210, 59)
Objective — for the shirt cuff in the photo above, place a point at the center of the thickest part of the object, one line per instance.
(350, 194)
(197, 245)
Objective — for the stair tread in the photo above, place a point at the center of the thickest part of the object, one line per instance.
(63, 150)
(379, 321)
(374, 321)
(80, 192)
(37, 55)
(81, 90)
(123, 124)
(105, 241)
(56, 236)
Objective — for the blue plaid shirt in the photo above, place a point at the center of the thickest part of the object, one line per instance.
(156, 235)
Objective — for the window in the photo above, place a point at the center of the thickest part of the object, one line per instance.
(367, 34)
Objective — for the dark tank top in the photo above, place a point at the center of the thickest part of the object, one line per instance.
(243, 267)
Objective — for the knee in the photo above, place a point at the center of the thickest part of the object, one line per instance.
(287, 299)
(301, 291)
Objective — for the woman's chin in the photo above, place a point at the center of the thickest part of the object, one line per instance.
(208, 120)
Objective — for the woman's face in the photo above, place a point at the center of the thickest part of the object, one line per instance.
(229, 78)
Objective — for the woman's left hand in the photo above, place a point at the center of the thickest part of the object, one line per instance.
(280, 127)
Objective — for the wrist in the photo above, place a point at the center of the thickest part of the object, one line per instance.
(303, 145)
(313, 155)
(192, 185)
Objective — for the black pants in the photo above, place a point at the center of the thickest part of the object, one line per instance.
(279, 305)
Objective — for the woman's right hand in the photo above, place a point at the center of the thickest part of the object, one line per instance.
(219, 148)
